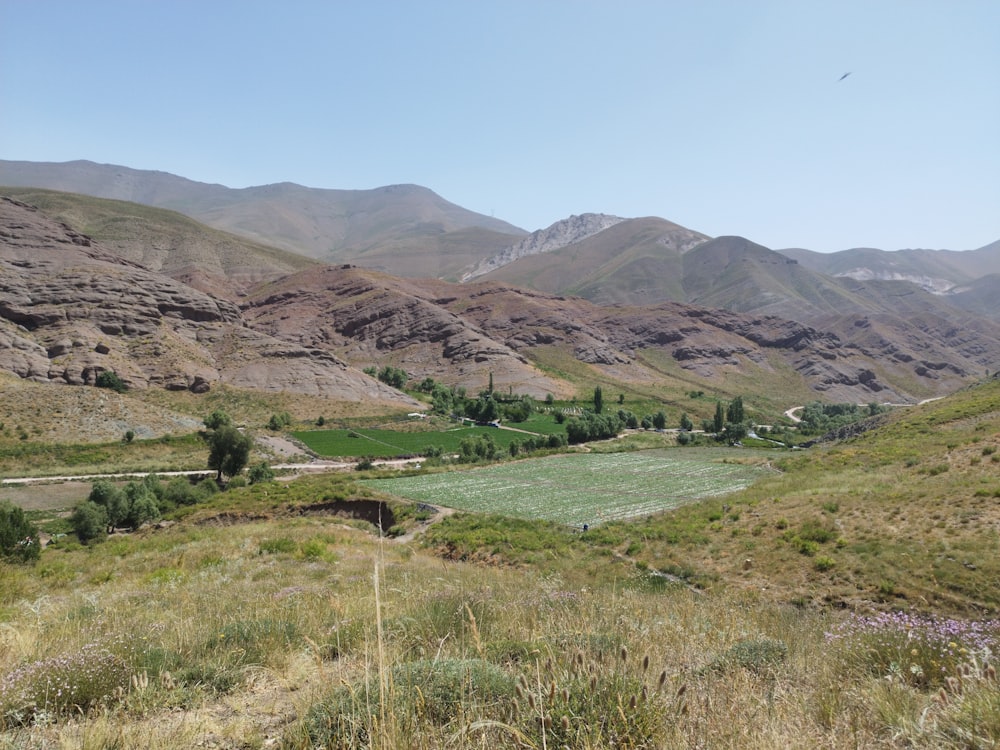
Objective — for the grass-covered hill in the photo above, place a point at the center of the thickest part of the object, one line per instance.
(845, 600)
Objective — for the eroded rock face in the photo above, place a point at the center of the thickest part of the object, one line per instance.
(461, 333)
(70, 310)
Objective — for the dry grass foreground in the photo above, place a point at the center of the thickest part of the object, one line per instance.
(309, 633)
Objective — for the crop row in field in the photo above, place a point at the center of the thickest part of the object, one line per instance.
(390, 443)
(578, 489)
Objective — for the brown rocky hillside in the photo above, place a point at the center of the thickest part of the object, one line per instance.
(70, 310)
(461, 333)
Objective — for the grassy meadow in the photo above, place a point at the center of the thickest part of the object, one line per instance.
(847, 598)
(387, 443)
(580, 488)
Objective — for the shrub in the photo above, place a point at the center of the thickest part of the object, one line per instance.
(277, 421)
(824, 563)
(274, 546)
(254, 642)
(18, 536)
(110, 379)
(762, 656)
(921, 650)
(63, 684)
(260, 473)
(425, 691)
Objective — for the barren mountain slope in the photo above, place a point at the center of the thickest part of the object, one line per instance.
(70, 310)
(407, 230)
(635, 261)
(372, 319)
(459, 334)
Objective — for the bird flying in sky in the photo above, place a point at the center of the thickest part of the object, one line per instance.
(843, 76)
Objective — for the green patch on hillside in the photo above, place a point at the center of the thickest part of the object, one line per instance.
(579, 489)
(381, 443)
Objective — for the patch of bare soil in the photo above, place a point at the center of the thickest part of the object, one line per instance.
(51, 413)
(281, 447)
(49, 496)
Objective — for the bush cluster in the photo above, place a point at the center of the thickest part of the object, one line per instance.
(63, 684)
(109, 507)
(18, 536)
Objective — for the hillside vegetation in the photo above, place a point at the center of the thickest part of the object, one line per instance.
(845, 601)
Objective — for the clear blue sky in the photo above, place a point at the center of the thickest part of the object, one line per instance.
(726, 116)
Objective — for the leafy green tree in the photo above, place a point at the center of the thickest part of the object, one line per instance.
(736, 431)
(180, 491)
(229, 451)
(629, 419)
(519, 411)
(598, 400)
(142, 505)
(734, 412)
(442, 399)
(686, 424)
(719, 423)
(660, 420)
(484, 409)
(477, 448)
(106, 495)
(18, 536)
(589, 426)
(89, 521)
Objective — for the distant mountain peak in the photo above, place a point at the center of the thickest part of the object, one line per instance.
(558, 235)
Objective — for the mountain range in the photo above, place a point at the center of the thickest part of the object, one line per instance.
(298, 289)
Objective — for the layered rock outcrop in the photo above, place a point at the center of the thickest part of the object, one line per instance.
(70, 310)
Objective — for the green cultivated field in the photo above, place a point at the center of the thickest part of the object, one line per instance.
(580, 488)
(391, 443)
